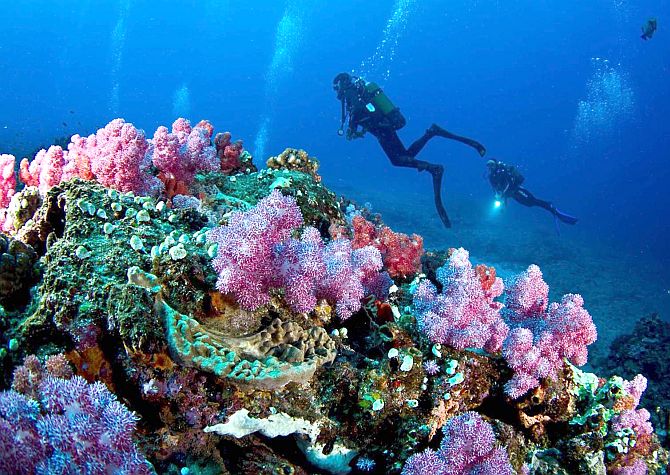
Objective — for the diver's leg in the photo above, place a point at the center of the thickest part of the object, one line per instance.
(418, 144)
(526, 198)
(436, 171)
(439, 131)
(400, 157)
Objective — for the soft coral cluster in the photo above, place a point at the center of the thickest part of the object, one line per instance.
(468, 448)
(465, 314)
(65, 426)
(542, 335)
(7, 188)
(401, 253)
(119, 156)
(185, 151)
(115, 156)
(256, 254)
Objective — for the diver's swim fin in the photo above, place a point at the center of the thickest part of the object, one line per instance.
(565, 218)
(436, 171)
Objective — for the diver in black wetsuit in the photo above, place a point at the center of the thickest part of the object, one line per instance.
(506, 182)
(365, 108)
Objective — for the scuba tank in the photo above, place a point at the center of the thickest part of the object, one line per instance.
(379, 101)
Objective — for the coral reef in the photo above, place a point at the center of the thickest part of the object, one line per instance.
(169, 308)
(646, 350)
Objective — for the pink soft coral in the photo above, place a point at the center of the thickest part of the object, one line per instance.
(118, 158)
(464, 315)
(185, 151)
(46, 169)
(7, 188)
(543, 335)
(256, 255)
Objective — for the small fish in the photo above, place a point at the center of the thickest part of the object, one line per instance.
(648, 29)
(64, 124)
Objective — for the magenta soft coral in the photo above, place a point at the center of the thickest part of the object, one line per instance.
(469, 447)
(245, 260)
(464, 315)
(256, 254)
(542, 335)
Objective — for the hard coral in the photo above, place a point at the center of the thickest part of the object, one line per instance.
(17, 272)
(295, 159)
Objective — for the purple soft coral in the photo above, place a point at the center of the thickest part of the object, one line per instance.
(256, 255)
(247, 245)
(349, 274)
(463, 315)
(71, 427)
(468, 447)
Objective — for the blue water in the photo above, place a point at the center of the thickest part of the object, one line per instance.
(565, 89)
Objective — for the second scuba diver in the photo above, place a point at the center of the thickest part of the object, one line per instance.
(506, 181)
(365, 108)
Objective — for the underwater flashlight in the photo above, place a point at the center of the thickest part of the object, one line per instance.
(497, 204)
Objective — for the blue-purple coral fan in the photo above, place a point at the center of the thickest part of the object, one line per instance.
(256, 254)
(468, 448)
(70, 427)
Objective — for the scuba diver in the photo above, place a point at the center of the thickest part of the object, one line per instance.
(365, 108)
(506, 181)
(649, 29)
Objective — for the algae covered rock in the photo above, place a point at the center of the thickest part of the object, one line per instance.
(18, 272)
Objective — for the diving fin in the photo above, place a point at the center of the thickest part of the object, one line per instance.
(565, 218)
(436, 172)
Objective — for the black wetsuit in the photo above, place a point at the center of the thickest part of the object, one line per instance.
(362, 116)
(506, 182)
